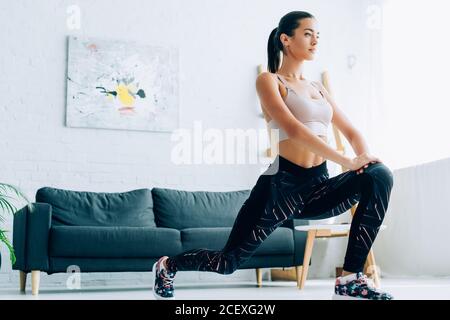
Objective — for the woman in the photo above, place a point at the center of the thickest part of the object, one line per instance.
(297, 184)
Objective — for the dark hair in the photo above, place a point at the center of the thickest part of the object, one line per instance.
(287, 25)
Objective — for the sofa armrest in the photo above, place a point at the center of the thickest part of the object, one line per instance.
(31, 229)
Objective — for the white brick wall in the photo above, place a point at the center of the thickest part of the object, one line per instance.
(221, 43)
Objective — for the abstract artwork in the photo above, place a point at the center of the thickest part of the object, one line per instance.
(121, 85)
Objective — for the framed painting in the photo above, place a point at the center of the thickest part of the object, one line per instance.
(121, 85)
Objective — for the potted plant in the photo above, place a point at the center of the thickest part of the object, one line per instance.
(6, 206)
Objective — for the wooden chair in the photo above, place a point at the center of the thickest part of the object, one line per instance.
(319, 231)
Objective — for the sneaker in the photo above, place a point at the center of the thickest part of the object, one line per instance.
(163, 283)
(358, 287)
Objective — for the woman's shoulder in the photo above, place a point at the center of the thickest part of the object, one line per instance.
(266, 75)
(269, 77)
(266, 79)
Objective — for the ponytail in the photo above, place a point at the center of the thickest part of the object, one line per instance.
(273, 51)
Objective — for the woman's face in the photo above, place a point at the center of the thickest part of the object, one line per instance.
(303, 44)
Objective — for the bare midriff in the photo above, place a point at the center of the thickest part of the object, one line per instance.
(293, 151)
(299, 155)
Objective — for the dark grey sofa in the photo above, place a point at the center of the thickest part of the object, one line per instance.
(129, 231)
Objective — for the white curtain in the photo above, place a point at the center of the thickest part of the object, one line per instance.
(404, 115)
(414, 123)
(414, 126)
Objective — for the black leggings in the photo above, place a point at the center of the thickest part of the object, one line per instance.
(288, 191)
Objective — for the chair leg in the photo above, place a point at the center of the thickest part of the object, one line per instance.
(307, 258)
(259, 277)
(22, 280)
(35, 278)
(371, 268)
(298, 271)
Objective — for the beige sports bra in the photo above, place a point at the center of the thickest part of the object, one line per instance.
(316, 114)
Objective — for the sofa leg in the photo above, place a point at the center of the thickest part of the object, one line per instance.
(35, 277)
(22, 280)
(259, 277)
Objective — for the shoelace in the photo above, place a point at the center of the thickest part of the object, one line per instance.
(368, 281)
(167, 281)
(371, 285)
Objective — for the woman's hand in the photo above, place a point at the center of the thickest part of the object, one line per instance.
(361, 162)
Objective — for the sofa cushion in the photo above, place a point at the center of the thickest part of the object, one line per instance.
(196, 209)
(62, 264)
(280, 241)
(113, 242)
(81, 208)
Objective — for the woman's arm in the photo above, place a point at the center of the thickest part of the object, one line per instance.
(358, 144)
(271, 100)
(353, 136)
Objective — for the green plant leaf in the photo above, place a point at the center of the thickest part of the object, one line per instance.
(8, 206)
(5, 203)
(5, 240)
(9, 187)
